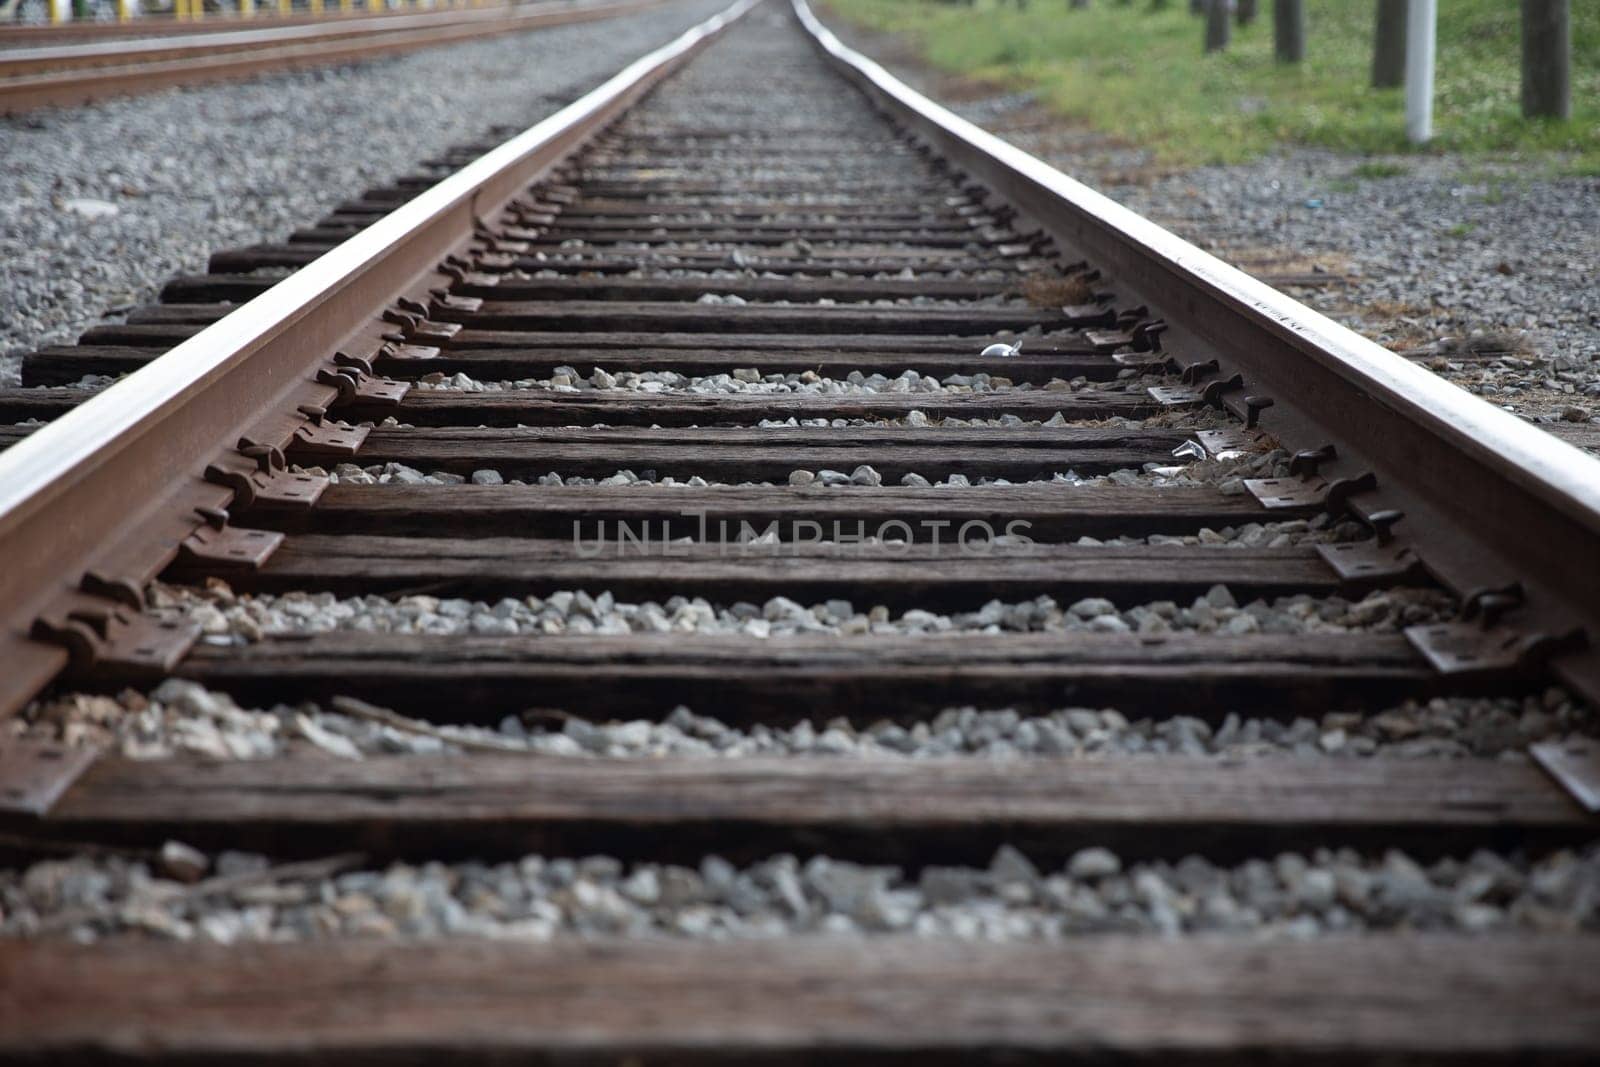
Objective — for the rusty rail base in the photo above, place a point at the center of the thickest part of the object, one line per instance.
(102, 497)
(325, 46)
(1490, 504)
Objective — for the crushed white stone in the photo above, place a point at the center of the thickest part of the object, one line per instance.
(1226, 474)
(539, 898)
(181, 717)
(752, 381)
(225, 617)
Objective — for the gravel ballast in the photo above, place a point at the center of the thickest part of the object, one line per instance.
(225, 618)
(537, 898)
(750, 382)
(105, 202)
(1227, 475)
(182, 718)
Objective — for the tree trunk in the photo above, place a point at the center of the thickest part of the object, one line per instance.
(1289, 30)
(1389, 45)
(1247, 12)
(1217, 30)
(1547, 58)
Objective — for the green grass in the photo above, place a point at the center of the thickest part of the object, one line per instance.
(1379, 169)
(1143, 75)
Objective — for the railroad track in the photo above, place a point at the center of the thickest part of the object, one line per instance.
(682, 397)
(81, 31)
(35, 76)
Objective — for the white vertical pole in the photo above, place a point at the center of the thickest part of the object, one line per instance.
(60, 11)
(1421, 27)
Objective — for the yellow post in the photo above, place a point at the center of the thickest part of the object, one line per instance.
(316, 7)
(60, 11)
(346, 5)
(180, 10)
(247, 9)
(285, 8)
(197, 9)
(124, 10)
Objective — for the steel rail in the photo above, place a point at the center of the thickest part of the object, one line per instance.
(162, 25)
(1488, 499)
(110, 487)
(16, 61)
(30, 59)
(337, 45)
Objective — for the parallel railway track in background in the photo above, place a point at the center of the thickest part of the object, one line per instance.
(88, 31)
(714, 272)
(38, 75)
